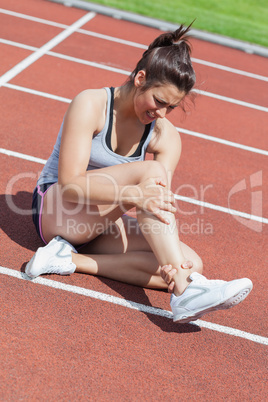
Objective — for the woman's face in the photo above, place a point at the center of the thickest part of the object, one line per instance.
(155, 102)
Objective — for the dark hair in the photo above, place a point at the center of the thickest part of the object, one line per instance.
(167, 60)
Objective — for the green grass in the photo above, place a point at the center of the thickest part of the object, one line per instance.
(246, 20)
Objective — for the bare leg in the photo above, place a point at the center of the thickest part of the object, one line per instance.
(122, 253)
(81, 223)
(166, 246)
(136, 268)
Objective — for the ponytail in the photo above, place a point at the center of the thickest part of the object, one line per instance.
(167, 60)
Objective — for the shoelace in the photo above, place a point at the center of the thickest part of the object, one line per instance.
(57, 268)
(200, 281)
(54, 269)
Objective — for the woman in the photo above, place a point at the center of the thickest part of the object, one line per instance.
(98, 171)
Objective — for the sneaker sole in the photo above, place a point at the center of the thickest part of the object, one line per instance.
(224, 305)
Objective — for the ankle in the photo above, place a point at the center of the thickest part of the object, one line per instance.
(182, 281)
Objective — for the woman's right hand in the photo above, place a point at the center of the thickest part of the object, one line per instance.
(155, 198)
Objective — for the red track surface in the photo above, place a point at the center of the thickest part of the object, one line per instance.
(57, 345)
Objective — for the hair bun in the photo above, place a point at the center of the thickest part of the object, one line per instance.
(166, 39)
(171, 38)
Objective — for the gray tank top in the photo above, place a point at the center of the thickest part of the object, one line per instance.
(101, 154)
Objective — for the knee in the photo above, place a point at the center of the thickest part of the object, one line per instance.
(154, 169)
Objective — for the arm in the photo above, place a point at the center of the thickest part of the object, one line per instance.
(166, 147)
(84, 118)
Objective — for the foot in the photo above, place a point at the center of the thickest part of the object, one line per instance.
(203, 296)
(54, 258)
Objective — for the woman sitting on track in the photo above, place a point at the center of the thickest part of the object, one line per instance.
(97, 172)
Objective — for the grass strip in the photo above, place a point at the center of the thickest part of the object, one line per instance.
(240, 19)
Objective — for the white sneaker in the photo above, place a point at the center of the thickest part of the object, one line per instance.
(54, 258)
(204, 296)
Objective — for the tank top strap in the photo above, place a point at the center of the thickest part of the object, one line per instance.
(110, 102)
(110, 115)
(146, 134)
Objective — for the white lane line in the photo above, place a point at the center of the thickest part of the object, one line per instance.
(34, 19)
(221, 209)
(22, 156)
(222, 141)
(131, 305)
(44, 49)
(17, 44)
(113, 39)
(38, 93)
(188, 200)
(229, 69)
(232, 100)
(134, 44)
(182, 130)
(89, 63)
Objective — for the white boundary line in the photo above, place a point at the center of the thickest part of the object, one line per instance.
(131, 305)
(34, 19)
(17, 44)
(133, 44)
(182, 130)
(23, 156)
(44, 49)
(203, 204)
(38, 93)
(232, 100)
(221, 209)
(222, 141)
(230, 69)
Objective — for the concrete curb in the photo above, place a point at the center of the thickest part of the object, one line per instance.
(165, 26)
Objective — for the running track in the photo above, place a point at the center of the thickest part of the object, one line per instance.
(87, 338)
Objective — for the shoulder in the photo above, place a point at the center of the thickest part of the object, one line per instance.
(166, 145)
(165, 137)
(92, 96)
(89, 106)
